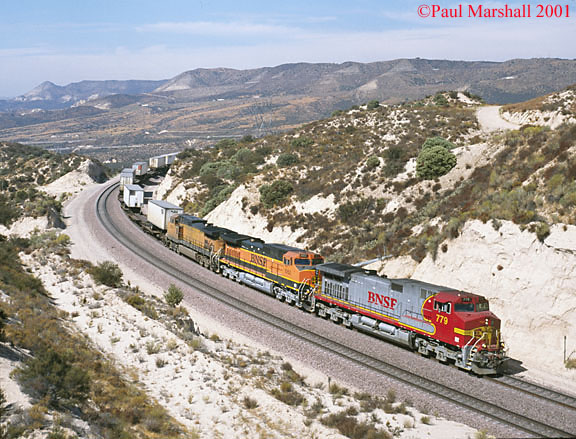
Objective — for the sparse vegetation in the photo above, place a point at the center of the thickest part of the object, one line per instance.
(64, 370)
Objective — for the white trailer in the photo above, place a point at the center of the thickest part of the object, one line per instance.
(159, 213)
(126, 177)
(133, 195)
(171, 157)
(140, 168)
(157, 162)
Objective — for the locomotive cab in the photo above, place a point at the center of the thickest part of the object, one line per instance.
(464, 320)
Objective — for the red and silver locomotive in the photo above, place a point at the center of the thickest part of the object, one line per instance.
(451, 325)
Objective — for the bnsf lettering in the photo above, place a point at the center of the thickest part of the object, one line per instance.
(233, 253)
(258, 260)
(384, 301)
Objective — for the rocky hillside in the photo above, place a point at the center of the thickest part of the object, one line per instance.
(353, 188)
(31, 177)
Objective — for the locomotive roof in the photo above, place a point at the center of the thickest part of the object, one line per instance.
(338, 270)
(210, 230)
(426, 285)
(236, 239)
(190, 219)
(275, 251)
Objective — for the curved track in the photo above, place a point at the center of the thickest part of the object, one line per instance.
(475, 405)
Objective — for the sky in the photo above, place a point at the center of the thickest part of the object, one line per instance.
(65, 41)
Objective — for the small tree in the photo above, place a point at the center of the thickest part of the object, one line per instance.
(438, 141)
(434, 162)
(173, 296)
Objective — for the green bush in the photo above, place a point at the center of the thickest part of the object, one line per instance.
(107, 273)
(287, 159)
(173, 296)
(434, 162)
(275, 193)
(372, 163)
(371, 105)
(441, 100)
(302, 142)
(220, 194)
(8, 212)
(438, 141)
(244, 156)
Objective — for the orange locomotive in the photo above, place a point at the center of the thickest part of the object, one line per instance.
(280, 270)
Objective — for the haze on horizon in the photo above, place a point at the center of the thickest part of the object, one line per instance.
(69, 41)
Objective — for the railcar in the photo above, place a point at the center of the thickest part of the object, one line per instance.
(282, 271)
(452, 325)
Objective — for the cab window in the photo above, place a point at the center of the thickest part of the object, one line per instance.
(463, 307)
(482, 306)
(443, 307)
(302, 261)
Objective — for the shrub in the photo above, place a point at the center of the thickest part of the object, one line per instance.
(542, 231)
(372, 163)
(437, 141)
(273, 194)
(7, 211)
(173, 296)
(287, 159)
(244, 156)
(441, 100)
(356, 210)
(371, 105)
(302, 142)
(51, 375)
(220, 194)
(288, 395)
(350, 427)
(250, 403)
(434, 162)
(107, 273)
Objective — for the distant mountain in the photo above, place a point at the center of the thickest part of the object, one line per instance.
(388, 81)
(49, 96)
(200, 105)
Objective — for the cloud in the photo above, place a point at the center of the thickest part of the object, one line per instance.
(220, 29)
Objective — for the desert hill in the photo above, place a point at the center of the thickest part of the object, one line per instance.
(200, 105)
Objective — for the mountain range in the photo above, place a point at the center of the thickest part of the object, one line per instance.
(228, 102)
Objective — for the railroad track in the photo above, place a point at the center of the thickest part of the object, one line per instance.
(491, 411)
(537, 391)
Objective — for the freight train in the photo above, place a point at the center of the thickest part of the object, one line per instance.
(451, 325)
